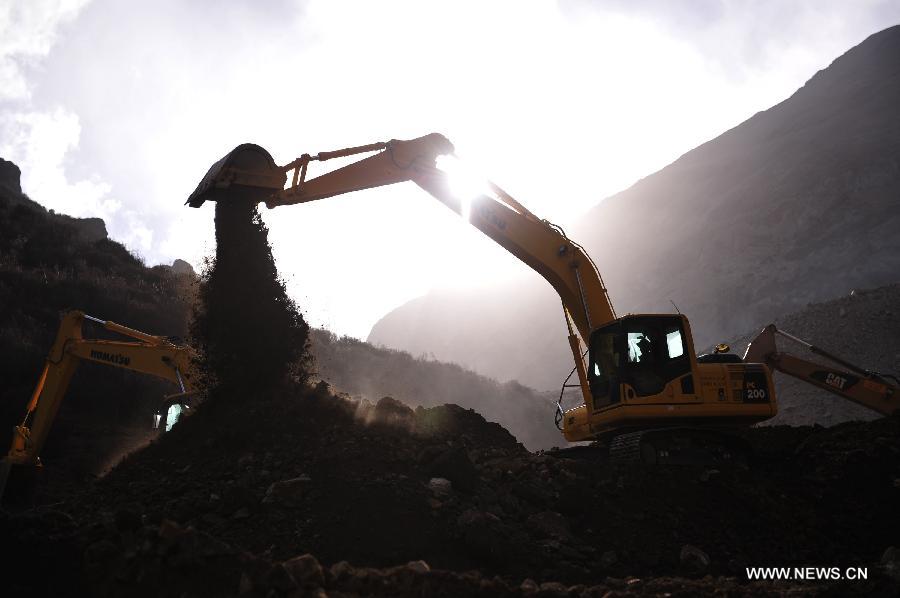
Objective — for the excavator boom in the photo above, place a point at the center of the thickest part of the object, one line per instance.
(146, 354)
(642, 370)
(538, 243)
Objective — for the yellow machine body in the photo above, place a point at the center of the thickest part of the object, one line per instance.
(620, 389)
(146, 353)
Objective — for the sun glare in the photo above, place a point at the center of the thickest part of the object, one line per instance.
(465, 183)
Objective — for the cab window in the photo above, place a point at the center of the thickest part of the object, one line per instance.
(644, 352)
(674, 343)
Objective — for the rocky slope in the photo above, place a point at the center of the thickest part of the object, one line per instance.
(862, 327)
(295, 491)
(50, 263)
(370, 373)
(310, 494)
(800, 203)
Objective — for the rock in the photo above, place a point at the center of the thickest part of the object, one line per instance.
(529, 586)
(454, 465)
(193, 546)
(287, 493)
(10, 179)
(181, 267)
(169, 531)
(553, 588)
(340, 571)
(418, 566)
(279, 579)
(608, 559)
(127, 520)
(305, 570)
(440, 487)
(97, 557)
(245, 585)
(693, 560)
(389, 410)
(484, 535)
(551, 524)
(891, 562)
(90, 229)
(242, 513)
(708, 474)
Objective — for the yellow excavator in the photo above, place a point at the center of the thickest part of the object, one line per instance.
(644, 390)
(145, 353)
(874, 390)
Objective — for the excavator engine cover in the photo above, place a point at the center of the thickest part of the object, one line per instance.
(247, 172)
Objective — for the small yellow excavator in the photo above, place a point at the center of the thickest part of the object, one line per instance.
(644, 389)
(146, 353)
(876, 391)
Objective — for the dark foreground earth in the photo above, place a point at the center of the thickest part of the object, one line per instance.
(312, 494)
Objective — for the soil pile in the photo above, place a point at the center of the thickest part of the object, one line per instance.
(395, 501)
(250, 335)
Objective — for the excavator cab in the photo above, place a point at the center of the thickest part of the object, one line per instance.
(636, 356)
(642, 372)
(647, 387)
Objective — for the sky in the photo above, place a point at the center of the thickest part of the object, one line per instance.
(116, 109)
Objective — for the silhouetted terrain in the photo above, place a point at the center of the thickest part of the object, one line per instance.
(368, 372)
(50, 263)
(800, 203)
(308, 494)
(297, 491)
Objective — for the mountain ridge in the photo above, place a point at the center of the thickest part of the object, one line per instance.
(796, 204)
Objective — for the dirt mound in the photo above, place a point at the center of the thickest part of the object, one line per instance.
(365, 371)
(231, 495)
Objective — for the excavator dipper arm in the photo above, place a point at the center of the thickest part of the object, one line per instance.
(851, 382)
(250, 173)
(541, 245)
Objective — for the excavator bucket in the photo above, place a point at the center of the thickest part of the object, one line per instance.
(247, 172)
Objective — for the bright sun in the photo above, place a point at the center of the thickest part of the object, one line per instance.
(465, 182)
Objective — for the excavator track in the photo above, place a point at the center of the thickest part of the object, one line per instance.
(626, 448)
(678, 446)
(664, 446)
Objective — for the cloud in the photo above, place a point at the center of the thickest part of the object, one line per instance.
(43, 140)
(39, 142)
(743, 37)
(28, 30)
(121, 111)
